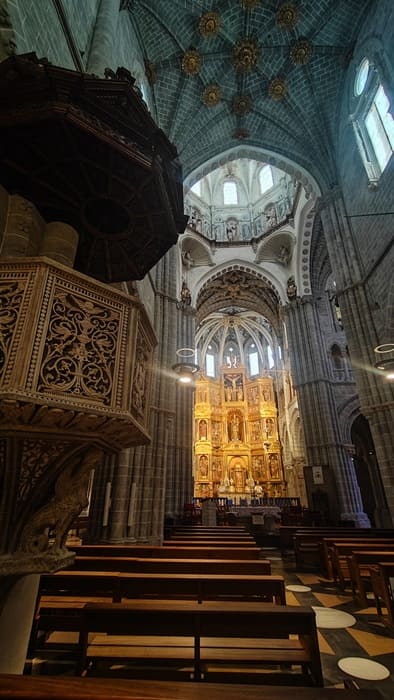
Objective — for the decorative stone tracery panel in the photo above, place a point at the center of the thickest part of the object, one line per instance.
(67, 354)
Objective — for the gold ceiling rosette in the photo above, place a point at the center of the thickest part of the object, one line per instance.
(191, 62)
(287, 15)
(277, 89)
(242, 104)
(246, 53)
(211, 95)
(209, 24)
(301, 52)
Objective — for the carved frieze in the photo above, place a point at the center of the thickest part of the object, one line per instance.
(67, 355)
(37, 457)
(79, 354)
(11, 296)
(142, 372)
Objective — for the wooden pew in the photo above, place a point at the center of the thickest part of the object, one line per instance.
(204, 587)
(81, 583)
(15, 687)
(56, 612)
(307, 543)
(182, 539)
(287, 533)
(360, 564)
(220, 531)
(382, 583)
(183, 552)
(327, 543)
(244, 537)
(209, 543)
(216, 638)
(341, 551)
(163, 585)
(187, 566)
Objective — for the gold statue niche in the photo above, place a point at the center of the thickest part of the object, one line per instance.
(236, 444)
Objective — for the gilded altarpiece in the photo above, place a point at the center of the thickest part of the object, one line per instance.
(237, 449)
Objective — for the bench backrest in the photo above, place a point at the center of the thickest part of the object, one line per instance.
(364, 557)
(187, 566)
(210, 619)
(175, 585)
(209, 543)
(13, 687)
(184, 552)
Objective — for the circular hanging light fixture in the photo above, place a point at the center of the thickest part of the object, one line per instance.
(186, 368)
(384, 356)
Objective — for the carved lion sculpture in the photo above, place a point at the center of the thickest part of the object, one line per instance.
(70, 497)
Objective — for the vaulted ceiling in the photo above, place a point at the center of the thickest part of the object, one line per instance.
(264, 73)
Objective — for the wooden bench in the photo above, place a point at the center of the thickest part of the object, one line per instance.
(138, 585)
(327, 544)
(341, 551)
(187, 566)
(209, 543)
(62, 595)
(288, 532)
(382, 583)
(217, 639)
(308, 549)
(203, 587)
(81, 583)
(360, 564)
(232, 533)
(15, 687)
(182, 552)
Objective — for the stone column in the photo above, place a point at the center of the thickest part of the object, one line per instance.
(323, 439)
(375, 393)
(120, 499)
(104, 35)
(16, 619)
(180, 469)
(60, 242)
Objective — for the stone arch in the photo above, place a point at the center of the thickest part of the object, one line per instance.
(238, 284)
(310, 185)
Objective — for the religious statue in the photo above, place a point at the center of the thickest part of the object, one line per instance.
(186, 297)
(187, 259)
(203, 463)
(235, 428)
(291, 289)
(258, 490)
(274, 466)
(269, 427)
(203, 429)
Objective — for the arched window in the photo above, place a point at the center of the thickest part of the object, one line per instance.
(230, 194)
(197, 188)
(372, 122)
(265, 178)
(210, 362)
(253, 360)
(271, 362)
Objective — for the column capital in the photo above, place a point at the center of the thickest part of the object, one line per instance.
(328, 197)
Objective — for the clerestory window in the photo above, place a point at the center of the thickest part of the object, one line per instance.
(265, 178)
(373, 123)
(230, 194)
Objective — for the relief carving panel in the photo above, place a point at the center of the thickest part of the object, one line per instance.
(80, 348)
(37, 457)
